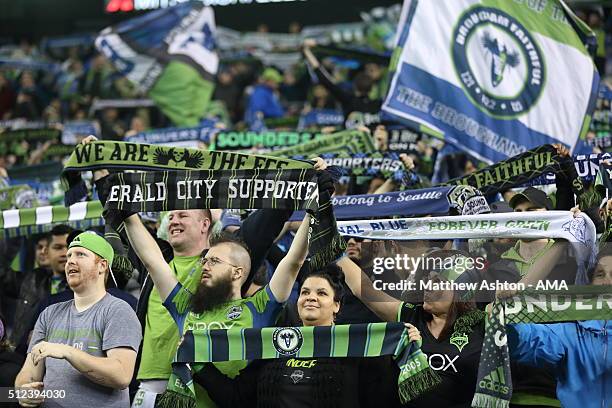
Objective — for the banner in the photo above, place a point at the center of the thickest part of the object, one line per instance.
(387, 165)
(539, 224)
(37, 220)
(74, 129)
(29, 64)
(320, 118)
(512, 172)
(174, 135)
(410, 203)
(30, 135)
(350, 141)
(487, 74)
(169, 53)
(166, 191)
(494, 385)
(141, 156)
(225, 140)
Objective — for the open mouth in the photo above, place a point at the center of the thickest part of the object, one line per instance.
(72, 272)
(176, 231)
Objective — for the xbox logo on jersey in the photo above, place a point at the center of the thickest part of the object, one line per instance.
(498, 63)
(287, 340)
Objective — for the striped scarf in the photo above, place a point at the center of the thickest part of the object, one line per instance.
(15, 223)
(356, 340)
(518, 170)
(494, 386)
(348, 141)
(233, 189)
(146, 157)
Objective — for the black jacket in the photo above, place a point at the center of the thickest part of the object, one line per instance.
(35, 287)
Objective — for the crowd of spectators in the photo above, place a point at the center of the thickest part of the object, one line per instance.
(69, 322)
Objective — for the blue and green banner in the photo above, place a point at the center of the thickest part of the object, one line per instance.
(170, 54)
(495, 77)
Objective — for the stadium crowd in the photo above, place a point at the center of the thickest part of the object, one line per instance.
(73, 321)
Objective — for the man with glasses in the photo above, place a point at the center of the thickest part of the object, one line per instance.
(217, 301)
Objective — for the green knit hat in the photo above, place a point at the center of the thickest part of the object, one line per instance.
(96, 244)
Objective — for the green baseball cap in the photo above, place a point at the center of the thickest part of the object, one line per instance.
(270, 74)
(96, 244)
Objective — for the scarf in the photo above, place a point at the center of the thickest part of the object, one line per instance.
(38, 220)
(29, 64)
(267, 139)
(539, 224)
(494, 386)
(74, 128)
(349, 141)
(19, 196)
(356, 340)
(361, 55)
(321, 117)
(518, 170)
(362, 164)
(434, 201)
(295, 189)
(30, 135)
(174, 135)
(140, 156)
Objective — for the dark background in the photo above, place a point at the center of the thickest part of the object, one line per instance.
(34, 19)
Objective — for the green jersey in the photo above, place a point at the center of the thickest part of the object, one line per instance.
(161, 336)
(260, 310)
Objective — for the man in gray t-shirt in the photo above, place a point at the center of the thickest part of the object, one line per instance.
(108, 324)
(86, 348)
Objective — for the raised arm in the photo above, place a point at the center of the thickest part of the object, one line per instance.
(150, 255)
(383, 305)
(284, 277)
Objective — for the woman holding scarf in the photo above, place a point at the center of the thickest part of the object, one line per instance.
(302, 382)
(452, 330)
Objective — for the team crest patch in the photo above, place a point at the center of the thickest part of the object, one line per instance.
(467, 200)
(459, 340)
(498, 62)
(297, 376)
(234, 312)
(287, 340)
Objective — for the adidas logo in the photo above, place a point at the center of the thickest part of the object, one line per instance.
(495, 381)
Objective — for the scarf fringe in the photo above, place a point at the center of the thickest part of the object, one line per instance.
(418, 384)
(330, 253)
(122, 266)
(172, 399)
(488, 401)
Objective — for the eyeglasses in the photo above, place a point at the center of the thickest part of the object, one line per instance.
(212, 261)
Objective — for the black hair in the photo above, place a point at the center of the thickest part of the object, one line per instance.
(363, 83)
(61, 229)
(333, 275)
(604, 251)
